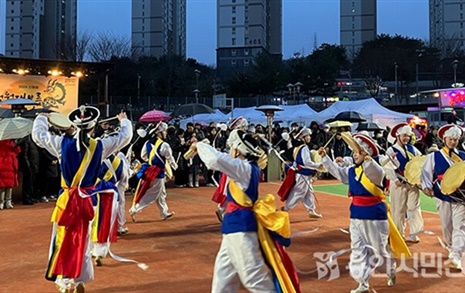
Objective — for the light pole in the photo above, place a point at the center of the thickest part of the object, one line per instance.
(138, 87)
(395, 78)
(455, 63)
(196, 91)
(294, 89)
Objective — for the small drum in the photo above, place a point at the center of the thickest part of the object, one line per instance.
(316, 158)
(60, 121)
(413, 170)
(452, 183)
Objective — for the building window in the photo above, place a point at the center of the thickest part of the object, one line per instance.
(246, 52)
(233, 62)
(233, 20)
(233, 41)
(233, 30)
(246, 62)
(234, 9)
(233, 52)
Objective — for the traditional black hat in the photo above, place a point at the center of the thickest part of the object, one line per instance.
(84, 117)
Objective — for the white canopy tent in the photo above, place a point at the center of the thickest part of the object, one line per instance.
(205, 119)
(301, 114)
(369, 108)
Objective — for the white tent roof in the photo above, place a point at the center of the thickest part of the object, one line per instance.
(369, 108)
(218, 117)
(291, 113)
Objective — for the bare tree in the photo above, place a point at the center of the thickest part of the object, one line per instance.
(373, 85)
(107, 45)
(82, 45)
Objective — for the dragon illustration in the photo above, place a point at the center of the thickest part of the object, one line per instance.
(55, 94)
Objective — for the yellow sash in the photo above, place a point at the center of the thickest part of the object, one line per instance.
(396, 241)
(114, 164)
(296, 151)
(153, 153)
(268, 219)
(456, 158)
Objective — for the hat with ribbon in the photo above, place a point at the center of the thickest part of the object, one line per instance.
(401, 128)
(239, 122)
(84, 117)
(450, 130)
(304, 132)
(367, 143)
(244, 142)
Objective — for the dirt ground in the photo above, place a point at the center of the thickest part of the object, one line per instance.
(180, 251)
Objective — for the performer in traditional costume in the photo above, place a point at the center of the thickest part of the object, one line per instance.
(80, 156)
(405, 197)
(301, 183)
(369, 227)
(240, 123)
(247, 243)
(151, 186)
(451, 213)
(109, 209)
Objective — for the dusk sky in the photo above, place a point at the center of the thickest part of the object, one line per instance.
(302, 19)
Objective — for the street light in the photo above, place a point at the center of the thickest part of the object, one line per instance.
(294, 89)
(455, 63)
(196, 91)
(395, 78)
(138, 87)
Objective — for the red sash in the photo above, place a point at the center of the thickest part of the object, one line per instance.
(149, 175)
(365, 201)
(287, 184)
(76, 218)
(219, 196)
(104, 227)
(232, 206)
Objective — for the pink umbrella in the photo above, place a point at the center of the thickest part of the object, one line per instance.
(155, 116)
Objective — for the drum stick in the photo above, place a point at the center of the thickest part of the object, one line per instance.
(327, 143)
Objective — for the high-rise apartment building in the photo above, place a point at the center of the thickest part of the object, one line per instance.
(246, 28)
(44, 29)
(159, 27)
(446, 25)
(358, 24)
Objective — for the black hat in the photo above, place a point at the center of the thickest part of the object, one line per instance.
(84, 117)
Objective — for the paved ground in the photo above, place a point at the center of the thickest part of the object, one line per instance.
(180, 251)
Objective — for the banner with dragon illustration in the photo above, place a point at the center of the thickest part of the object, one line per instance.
(57, 93)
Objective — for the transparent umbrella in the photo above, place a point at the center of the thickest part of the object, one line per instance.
(14, 128)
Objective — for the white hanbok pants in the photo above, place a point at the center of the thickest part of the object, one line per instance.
(240, 261)
(370, 249)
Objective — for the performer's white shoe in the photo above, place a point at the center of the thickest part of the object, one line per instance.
(168, 215)
(314, 215)
(362, 288)
(456, 263)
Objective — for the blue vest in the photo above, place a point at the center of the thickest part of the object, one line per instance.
(440, 167)
(243, 220)
(157, 160)
(71, 160)
(403, 160)
(299, 161)
(377, 211)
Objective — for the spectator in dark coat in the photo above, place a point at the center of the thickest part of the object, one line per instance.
(29, 161)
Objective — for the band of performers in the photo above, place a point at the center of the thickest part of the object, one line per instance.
(98, 168)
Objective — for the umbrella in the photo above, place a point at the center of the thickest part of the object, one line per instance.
(33, 112)
(371, 126)
(18, 102)
(154, 116)
(192, 109)
(6, 113)
(350, 116)
(13, 128)
(340, 124)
